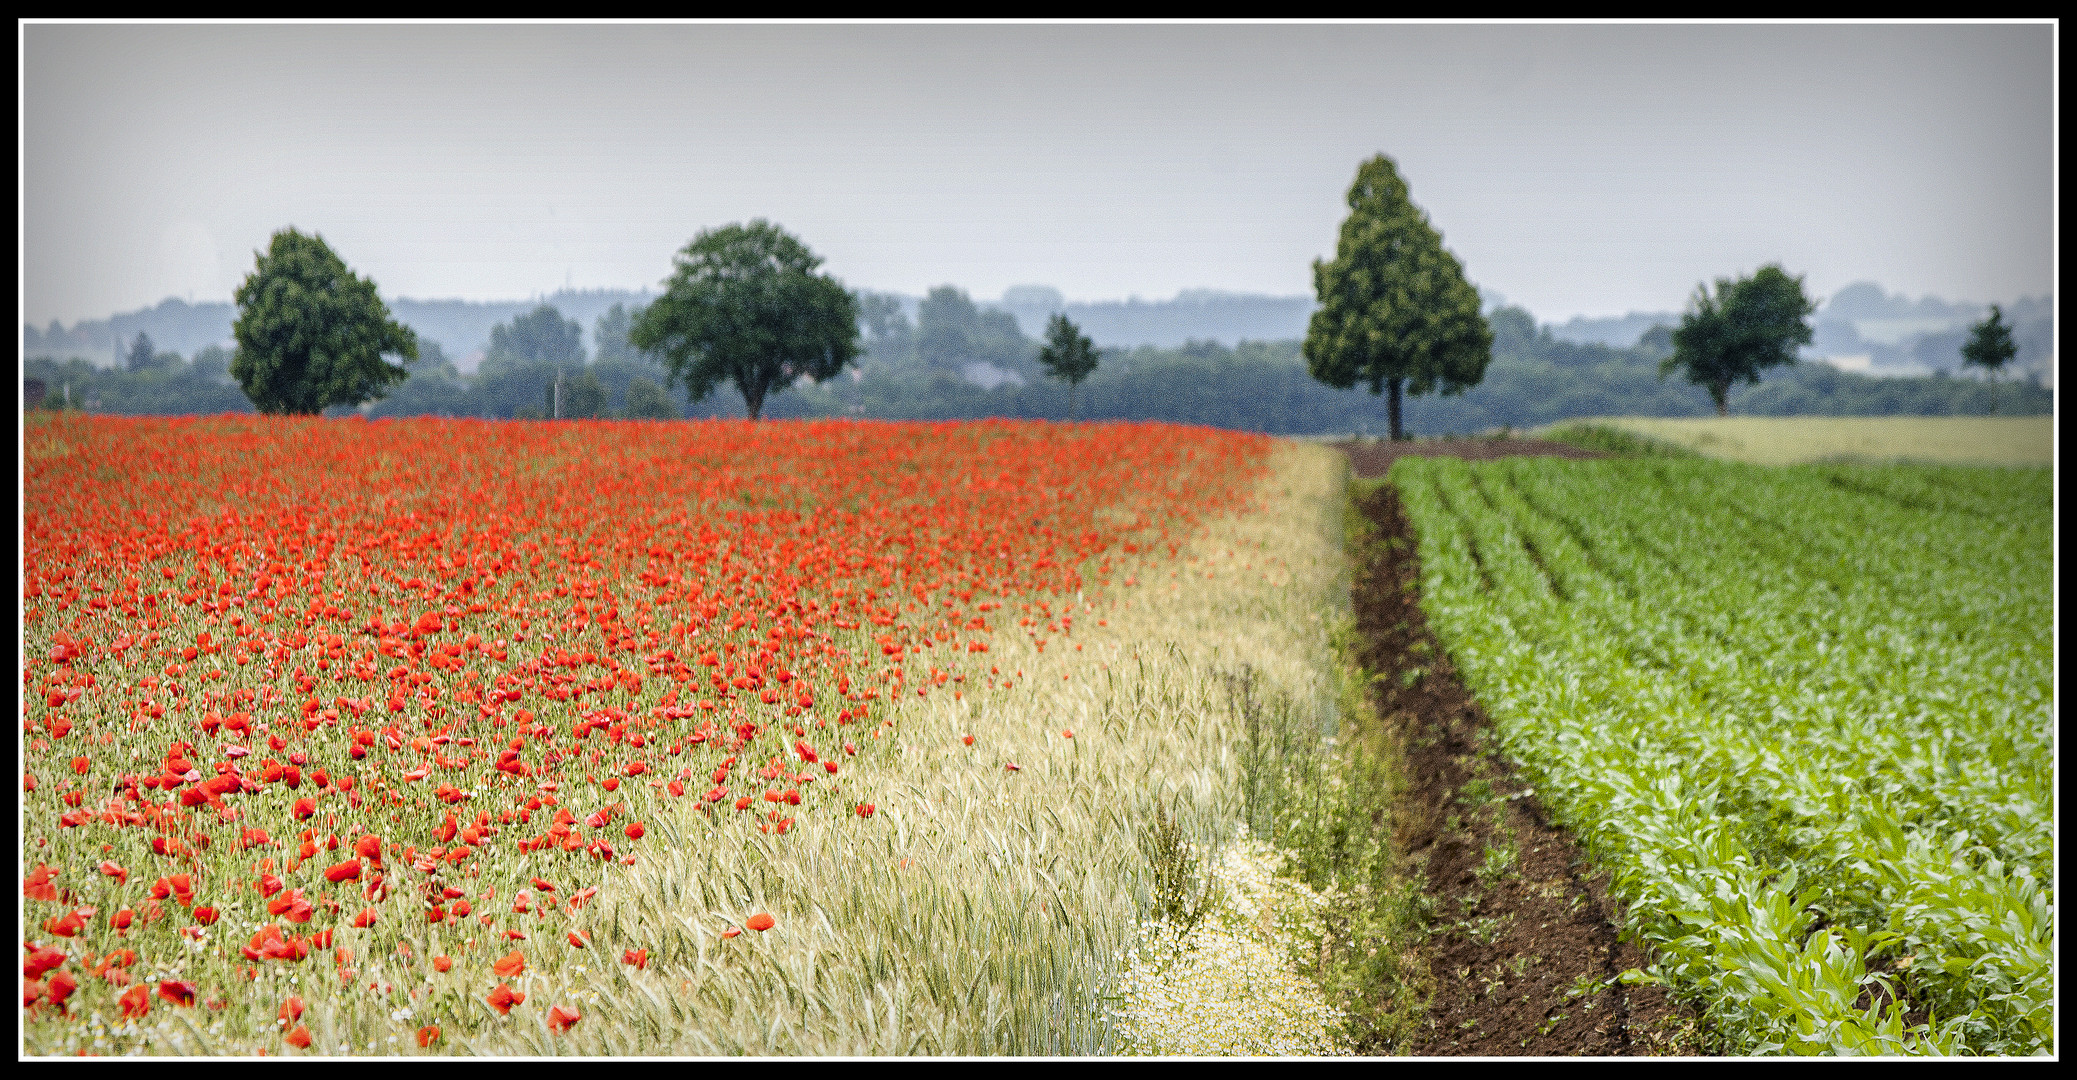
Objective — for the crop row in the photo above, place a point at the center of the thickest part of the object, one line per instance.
(1803, 716)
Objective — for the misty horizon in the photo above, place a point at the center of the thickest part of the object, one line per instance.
(485, 161)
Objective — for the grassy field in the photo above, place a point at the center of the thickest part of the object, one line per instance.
(1804, 716)
(1031, 833)
(1769, 440)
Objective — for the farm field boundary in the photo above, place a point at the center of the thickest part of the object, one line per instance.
(1801, 716)
(684, 739)
(1792, 440)
(1521, 955)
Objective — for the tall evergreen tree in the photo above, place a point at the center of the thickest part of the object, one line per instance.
(1069, 356)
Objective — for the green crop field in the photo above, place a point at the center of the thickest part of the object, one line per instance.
(1792, 440)
(1804, 717)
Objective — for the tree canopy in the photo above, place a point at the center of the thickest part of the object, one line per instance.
(310, 334)
(1069, 355)
(541, 336)
(1990, 343)
(1751, 324)
(1395, 311)
(745, 306)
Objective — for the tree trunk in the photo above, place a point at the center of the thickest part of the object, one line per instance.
(1070, 401)
(1720, 393)
(1392, 408)
(753, 402)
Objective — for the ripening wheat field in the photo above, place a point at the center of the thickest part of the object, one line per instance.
(447, 737)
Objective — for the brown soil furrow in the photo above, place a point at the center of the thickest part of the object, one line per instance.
(1523, 952)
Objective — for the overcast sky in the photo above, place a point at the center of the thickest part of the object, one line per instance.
(1576, 169)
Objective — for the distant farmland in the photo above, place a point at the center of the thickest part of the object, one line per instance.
(1789, 440)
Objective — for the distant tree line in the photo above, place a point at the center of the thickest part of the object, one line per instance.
(1534, 379)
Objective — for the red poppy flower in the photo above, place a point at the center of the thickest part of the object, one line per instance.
(760, 921)
(299, 1038)
(635, 831)
(428, 1035)
(639, 958)
(503, 998)
(350, 870)
(562, 1019)
(177, 991)
(443, 963)
(61, 987)
(135, 1002)
(41, 960)
(205, 915)
(509, 965)
(291, 1010)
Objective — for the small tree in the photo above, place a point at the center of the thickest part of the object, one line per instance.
(1069, 355)
(1990, 343)
(310, 334)
(1990, 347)
(141, 354)
(584, 397)
(745, 306)
(1751, 324)
(1395, 308)
(648, 401)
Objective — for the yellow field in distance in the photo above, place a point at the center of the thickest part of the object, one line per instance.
(1790, 440)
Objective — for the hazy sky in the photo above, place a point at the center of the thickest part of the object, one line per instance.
(1576, 169)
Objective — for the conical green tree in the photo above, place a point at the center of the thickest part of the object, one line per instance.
(310, 334)
(1069, 356)
(1395, 309)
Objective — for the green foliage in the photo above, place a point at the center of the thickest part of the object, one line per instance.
(541, 336)
(311, 335)
(143, 358)
(584, 397)
(1069, 355)
(1395, 309)
(1751, 324)
(1615, 442)
(648, 401)
(609, 337)
(745, 306)
(1990, 343)
(1803, 716)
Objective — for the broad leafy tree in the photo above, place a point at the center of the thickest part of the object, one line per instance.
(1395, 311)
(745, 306)
(1990, 343)
(1069, 355)
(1749, 325)
(648, 401)
(312, 335)
(584, 397)
(541, 336)
(1990, 346)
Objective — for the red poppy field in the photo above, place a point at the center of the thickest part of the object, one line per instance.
(309, 707)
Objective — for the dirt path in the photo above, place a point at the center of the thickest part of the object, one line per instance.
(1523, 953)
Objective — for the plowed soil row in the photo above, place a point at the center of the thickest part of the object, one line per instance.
(1523, 952)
